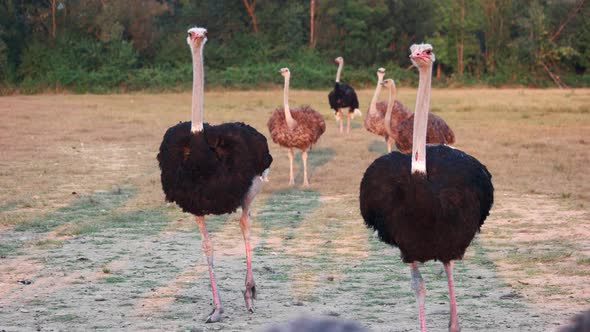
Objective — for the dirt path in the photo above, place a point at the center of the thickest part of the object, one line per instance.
(139, 272)
(87, 243)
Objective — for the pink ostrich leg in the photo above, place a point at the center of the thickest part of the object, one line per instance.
(207, 245)
(250, 292)
(420, 291)
(348, 123)
(454, 322)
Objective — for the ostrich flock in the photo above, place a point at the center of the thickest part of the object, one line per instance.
(427, 198)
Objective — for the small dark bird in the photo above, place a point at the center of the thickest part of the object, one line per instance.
(343, 96)
(430, 203)
(213, 169)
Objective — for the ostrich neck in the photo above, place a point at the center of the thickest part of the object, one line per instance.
(198, 90)
(390, 105)
(288, 117)
(373, 105)
(421, 121)
(340, 64)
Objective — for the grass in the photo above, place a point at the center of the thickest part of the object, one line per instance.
(86, 207)
(48, 244)
(59, 206)
(115, 279)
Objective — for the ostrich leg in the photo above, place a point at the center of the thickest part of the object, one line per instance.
(420, 291)
(339, 118)
(215, 315)
(389, 143)
(454, 322)
(250, 292)
(304, 159)
(291, 179)
(348, 123)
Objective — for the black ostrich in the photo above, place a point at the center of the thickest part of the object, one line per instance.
(343, 96)
(209, 169)
(430, 209)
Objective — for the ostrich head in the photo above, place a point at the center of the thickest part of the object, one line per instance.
(339, 59)
(196, 37)
(422, 55)
(388, 83)
(285, 72)
(381, 71)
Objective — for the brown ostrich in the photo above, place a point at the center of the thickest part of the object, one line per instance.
(375, 119)
(297, 128)
(402, 126)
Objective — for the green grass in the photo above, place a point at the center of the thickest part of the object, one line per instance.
(115, 279)
(48, 244)
(85, 208)
(8, 206)
(378, 146)
(9, 247)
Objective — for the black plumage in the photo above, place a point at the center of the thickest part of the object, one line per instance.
(430, 203)
(211, 171)
(208, 169)
(432, 217)
(343, 96)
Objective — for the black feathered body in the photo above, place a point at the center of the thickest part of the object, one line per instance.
(210, 172)
(343, 96)
(432, 217)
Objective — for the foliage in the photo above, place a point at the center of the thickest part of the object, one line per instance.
(107, 45)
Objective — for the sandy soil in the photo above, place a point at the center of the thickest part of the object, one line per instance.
(87, 243)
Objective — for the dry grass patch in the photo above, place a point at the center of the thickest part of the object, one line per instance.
(56, 151)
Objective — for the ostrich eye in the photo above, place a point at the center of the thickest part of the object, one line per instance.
(190, 34)
(428, 52)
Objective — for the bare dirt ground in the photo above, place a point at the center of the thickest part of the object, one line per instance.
(87, 243)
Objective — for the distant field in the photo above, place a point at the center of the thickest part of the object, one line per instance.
(82, 217)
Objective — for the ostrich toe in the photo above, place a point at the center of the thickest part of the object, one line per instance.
(250, 296)
(214, 316)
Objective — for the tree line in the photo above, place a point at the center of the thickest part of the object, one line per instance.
(114, 45)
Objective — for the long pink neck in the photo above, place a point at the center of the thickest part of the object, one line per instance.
(373, 105)
(288, 117)
(388, 113)
(339, 71)
(421, 120)
(198, 90)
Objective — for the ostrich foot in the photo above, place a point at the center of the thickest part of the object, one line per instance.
(305, 183)
(215, 315)
(454, 327)
(291, 182)
(250, 296)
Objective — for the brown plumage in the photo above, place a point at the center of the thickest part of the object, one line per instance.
(438, 132)
(402, 125)
(295, 128)
(375, 120)
(310, 126)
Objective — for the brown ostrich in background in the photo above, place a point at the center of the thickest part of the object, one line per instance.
(402, 125)
(298, 128)
(375, 119)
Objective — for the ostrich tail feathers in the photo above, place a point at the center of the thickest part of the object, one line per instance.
(357, 112)
(264, 175)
